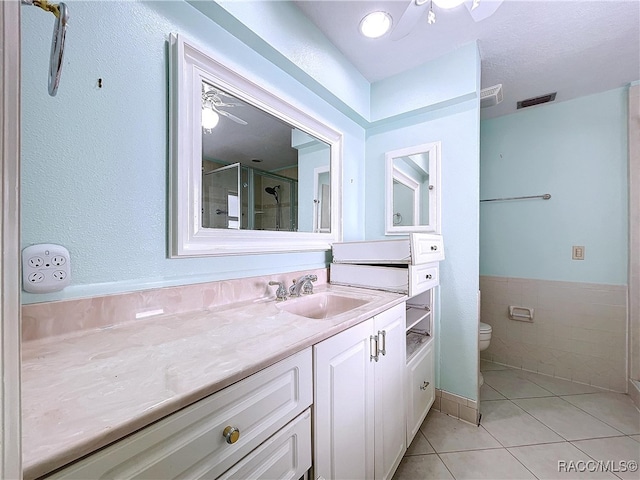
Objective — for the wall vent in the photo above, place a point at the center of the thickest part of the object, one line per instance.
(491, 96)
(530, 102)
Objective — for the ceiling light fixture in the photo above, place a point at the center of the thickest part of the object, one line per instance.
(375, 24)
(210, 119)
(447, 4)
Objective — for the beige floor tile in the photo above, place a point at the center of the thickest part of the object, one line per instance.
(490, 464)
(419, 445)
(422, 467)
(486, 365)
(565, 419)
(559, 386)
(512, 426)
(513, 384)
(488, 393)
(554, 461)
(615, 409)
(448, 434)
(619, 451)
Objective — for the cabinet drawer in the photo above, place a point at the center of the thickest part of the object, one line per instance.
(190, 443)
(423, 277)
(418, 248)
(285, 456)
(426, 248)
(411, 280)
(420, 388)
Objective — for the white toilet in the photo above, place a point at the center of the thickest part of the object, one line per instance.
(484, 338)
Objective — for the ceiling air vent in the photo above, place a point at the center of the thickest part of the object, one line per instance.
(491, 96)
(530, 102)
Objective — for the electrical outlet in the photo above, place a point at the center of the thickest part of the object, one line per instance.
(45, 268)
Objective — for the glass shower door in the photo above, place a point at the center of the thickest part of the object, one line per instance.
(220, 197)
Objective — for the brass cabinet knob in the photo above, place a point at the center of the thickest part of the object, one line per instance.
(231, 434)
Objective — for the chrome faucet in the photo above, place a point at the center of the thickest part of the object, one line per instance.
(303, 285)
(281, 292)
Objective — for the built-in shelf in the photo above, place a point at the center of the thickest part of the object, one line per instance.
(415, 315)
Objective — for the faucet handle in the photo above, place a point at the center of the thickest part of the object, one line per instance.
(281, 292)
(307, 286)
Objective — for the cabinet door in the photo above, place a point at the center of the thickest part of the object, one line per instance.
(390, 434)
(343, 405)
(420, 388)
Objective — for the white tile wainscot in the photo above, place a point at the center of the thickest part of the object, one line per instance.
(578, 333)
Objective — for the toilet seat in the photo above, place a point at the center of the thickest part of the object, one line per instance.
(485, 328)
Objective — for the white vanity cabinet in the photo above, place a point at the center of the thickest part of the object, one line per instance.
(359, 415)
(409, 266)
(269, 408)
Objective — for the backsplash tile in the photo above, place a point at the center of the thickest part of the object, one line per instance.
(49, 319)
(578, 332)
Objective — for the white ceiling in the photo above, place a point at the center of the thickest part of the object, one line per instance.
(575, 48)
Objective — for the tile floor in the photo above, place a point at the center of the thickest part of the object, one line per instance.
(532, 426)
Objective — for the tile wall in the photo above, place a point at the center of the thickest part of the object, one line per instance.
(579, 331)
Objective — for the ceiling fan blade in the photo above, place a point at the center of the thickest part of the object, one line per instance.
(481, 9)
(231, 117)
(409, 19)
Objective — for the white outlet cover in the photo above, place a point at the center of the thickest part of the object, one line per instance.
(46, 268)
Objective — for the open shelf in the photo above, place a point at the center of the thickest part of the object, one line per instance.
(416, 315)
(415, 342)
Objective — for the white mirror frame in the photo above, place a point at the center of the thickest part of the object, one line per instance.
(433, 149)
(189, 67)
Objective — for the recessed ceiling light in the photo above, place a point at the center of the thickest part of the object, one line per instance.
(446, 4)
(375, 24)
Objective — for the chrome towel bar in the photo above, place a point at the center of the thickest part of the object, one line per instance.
(546, 196)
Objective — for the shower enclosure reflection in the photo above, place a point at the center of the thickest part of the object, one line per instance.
(259, 172)
(239, 197)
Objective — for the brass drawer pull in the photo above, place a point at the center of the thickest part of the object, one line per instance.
(429, 276)
(424, 386)
(231, 434)
(434, 247)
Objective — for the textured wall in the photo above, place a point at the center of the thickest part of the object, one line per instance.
(95, 160)
(457, 127)
(577, 152)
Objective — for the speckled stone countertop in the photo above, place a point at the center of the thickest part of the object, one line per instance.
(84, 390)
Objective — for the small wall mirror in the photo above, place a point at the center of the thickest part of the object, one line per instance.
(251, 173)
(412, 186)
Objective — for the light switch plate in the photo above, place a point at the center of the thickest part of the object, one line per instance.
(577, 252)
(46, 268)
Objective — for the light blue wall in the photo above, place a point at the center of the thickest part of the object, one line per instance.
(435, 84)
(457, 126)
(95, 161)
(279, 31)
(576, 151)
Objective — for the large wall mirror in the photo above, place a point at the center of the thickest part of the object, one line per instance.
(250, 173)
(412, 189)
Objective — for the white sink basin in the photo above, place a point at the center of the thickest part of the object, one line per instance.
(321, 305)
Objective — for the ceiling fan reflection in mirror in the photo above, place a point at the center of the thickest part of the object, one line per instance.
(212, 107)
(417, 9)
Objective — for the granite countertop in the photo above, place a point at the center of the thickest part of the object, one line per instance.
(84, 390)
